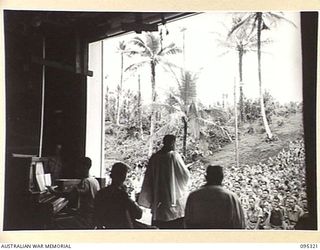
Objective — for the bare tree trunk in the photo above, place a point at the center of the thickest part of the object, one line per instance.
(263, 112)
(119, 97)
(185, 131)
(152, 118)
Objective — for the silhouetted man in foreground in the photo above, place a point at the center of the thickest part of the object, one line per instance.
(212, 206)
(113, 207)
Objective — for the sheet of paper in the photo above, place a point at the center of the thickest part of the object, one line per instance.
(41, 182)
(47, 179)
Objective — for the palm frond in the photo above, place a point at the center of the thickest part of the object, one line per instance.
(251, 41)
(168, 63)
(245, 21)
(171, 49)
(137, 41)
(134, 51)
(137, 65)
(227, 43)
(280, 17)
(187, 90)
(140, 43)
(153, 43)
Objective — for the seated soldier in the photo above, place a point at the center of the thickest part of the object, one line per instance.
(275, 219)
(113, 207)
(292, 213)
(254, 215)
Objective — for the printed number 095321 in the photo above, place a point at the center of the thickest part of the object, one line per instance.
(309, 246)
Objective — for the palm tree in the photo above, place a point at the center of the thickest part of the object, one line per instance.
(122, 50)
(107, 106)
(153, 53)
(182, 106)
(259, 21)
(242, 41)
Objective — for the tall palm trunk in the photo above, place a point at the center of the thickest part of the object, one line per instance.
(263, 112)
(107, 112)
(185, 132)
(153, 96)
(119, 99)
(139, 108)
(241, 90)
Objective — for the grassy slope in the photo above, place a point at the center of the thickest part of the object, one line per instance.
(253, 148)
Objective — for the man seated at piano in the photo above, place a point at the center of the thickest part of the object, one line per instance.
(86, 191)
(114, 209)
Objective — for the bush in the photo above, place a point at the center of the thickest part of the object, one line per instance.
(252, 109)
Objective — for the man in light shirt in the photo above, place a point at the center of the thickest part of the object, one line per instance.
(165, 186)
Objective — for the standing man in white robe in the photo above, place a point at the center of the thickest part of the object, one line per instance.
(165, 186)
(212, 206)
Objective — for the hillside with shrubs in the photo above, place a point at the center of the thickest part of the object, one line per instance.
(215, 143)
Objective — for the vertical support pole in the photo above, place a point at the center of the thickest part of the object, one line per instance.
(42, 96)
(236, 123)
(102, 116)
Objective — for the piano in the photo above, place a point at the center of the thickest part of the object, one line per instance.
(47, 201)
(33, 199)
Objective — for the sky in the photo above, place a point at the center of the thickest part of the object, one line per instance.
(217, 71)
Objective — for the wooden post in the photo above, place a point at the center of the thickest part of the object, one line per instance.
(236, 123)
(42, 95)
(102, 116)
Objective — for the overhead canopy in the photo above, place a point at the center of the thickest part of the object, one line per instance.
(92, 26)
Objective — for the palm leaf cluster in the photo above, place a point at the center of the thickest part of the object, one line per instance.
(150, 52)
(187, 88)
(149, 49)
(252, 19)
